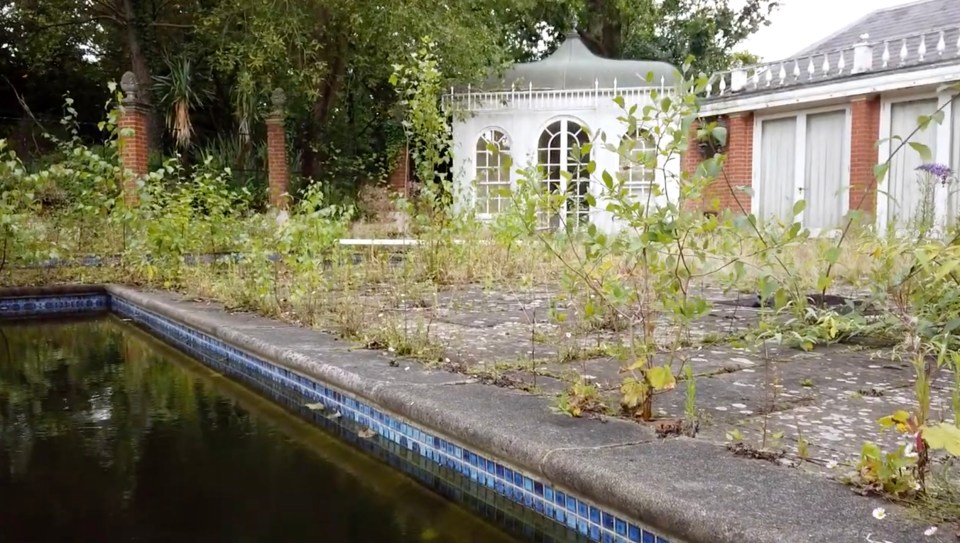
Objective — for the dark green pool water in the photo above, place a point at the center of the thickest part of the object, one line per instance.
(108, 435)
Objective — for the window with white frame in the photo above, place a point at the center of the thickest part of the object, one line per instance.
(493, 172)
(803, 157)
(564, 164)
(636, 172)
(776, 186)
(955, 135)
(903, 190)
(825, 170)
(953, 198)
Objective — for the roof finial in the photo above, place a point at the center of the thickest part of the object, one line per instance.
(574, 23)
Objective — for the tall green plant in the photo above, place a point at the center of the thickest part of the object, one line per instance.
(428, 134)
(180, 93)
(420, 86)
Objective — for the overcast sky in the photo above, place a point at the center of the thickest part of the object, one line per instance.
(798, 23)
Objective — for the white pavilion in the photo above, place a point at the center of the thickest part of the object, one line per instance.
(537, 113)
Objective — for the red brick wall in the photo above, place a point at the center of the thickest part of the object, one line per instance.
(865, 113)
(738, 168)
(134, 149)
(277, 162)
(865, 122)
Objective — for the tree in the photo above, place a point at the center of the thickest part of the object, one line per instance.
(667, 30)
(334, 58)
(210, 65)
(739, 59)
(108, 36)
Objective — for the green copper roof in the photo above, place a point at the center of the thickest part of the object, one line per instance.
(574, 67)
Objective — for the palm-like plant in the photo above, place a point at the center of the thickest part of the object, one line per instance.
(179, 93)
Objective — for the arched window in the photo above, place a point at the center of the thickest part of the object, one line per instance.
(637, 153)
(560, 149)
(493, 172)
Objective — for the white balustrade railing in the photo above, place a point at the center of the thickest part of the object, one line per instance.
(535, 99)
(936, 45)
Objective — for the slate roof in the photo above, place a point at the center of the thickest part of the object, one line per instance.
(889, 30)
(891, 23)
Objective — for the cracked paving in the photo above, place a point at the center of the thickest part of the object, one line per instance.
(826, 401)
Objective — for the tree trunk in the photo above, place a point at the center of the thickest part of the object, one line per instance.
(308, 160)
(603, 29)
(322, 108)
(141, 69)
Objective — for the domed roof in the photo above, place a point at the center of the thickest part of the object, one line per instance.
(574, 67)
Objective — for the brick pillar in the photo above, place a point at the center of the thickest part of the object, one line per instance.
(277, 151)
(133, 139)
(689, 162)
(865, 131)
(399, 178)
(691, 157)
(738, 168)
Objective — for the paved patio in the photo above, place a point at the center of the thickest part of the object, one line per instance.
(830, 398)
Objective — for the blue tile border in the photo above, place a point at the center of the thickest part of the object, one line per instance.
(576, 517)
(28, 306)
(483, 502)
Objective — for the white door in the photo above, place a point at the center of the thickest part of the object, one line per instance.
(565, 173)
(776, 183)
(902, 187)
(825, 171)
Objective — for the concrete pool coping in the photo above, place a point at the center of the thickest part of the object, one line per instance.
(687, 489)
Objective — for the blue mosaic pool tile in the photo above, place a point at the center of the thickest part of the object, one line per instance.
(51, 305)
(415, 445)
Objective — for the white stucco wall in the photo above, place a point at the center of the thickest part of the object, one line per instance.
(524, 124)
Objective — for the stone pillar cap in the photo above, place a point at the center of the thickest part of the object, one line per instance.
(130, 87)
(278, 99)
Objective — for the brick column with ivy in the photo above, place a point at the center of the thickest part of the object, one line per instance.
(277, 151)
(133, 125)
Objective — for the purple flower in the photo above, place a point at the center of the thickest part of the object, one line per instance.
(939, 171)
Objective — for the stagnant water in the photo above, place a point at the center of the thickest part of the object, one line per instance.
(108, 435)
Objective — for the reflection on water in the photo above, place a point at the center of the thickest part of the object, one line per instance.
(106, 435)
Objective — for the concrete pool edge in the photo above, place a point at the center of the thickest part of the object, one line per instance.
(688, 489)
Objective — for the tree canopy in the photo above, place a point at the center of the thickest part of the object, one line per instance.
(210, 65)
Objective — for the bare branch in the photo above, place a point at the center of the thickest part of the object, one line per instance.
(118, 15)
(23, 103)
(173, 25)
(80, 22)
